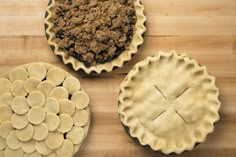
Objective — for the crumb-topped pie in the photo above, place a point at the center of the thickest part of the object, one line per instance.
(169, 103)
(44, 112)
(95, 35)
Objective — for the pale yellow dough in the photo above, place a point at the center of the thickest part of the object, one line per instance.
(66, 106)
(80, 99)
(5, 128)
(18, 74)
(66, 123)
(52, 121)
(19, 121)
(13, 153)
(31, 84)
(6, 99)
(5, 86)
(59, 93)
(42, 148)
(56, 75)
(6, 113)
(54, 140)
(53, 154)
(34, 154)
(2, 153)
(26, 133)
(166, 100)
(72, 85)
(36, 115)
(67, 149)
(37, 112)
(18, 89)
(36, 98)
(3, 143)
(12, 141)
(37, 70)
(80, 118)
(29, 146)
(76, 135)
(46, 87)
(51, 105)
(40, 132)
(19, 105)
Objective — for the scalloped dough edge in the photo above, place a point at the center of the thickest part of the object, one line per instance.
(106, 67)
(131, 124)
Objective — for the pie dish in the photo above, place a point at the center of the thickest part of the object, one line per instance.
(169, 103)
(44, 112)
(95, 36)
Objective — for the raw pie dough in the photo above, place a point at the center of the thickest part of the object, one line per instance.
(44, 112)
(125, 56)
(169, 102)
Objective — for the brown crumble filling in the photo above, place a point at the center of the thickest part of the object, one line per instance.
(94, 31)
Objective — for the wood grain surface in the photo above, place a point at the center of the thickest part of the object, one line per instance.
(203, 29)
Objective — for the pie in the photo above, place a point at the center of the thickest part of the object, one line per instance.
(169, 103)
(95, 35)
(44, 112)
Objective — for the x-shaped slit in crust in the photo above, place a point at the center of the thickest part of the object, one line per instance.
(160, 91)
(158, 115)
(184, 91)
(175, 99)
(181, 117)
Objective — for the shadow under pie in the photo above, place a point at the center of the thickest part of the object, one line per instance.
(169, 103)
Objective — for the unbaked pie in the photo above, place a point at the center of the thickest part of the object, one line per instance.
(44, 112)
(95, 35)
(169, 103)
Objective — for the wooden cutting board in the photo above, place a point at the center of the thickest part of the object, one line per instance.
(203, 29)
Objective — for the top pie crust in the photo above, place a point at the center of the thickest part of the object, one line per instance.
(108, 66)
(34, 119)
(169, 102)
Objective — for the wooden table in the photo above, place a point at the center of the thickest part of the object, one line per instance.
(203, 29)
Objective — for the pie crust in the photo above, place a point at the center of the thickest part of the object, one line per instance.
(108, 66)
(169, 103)
(37, 112)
